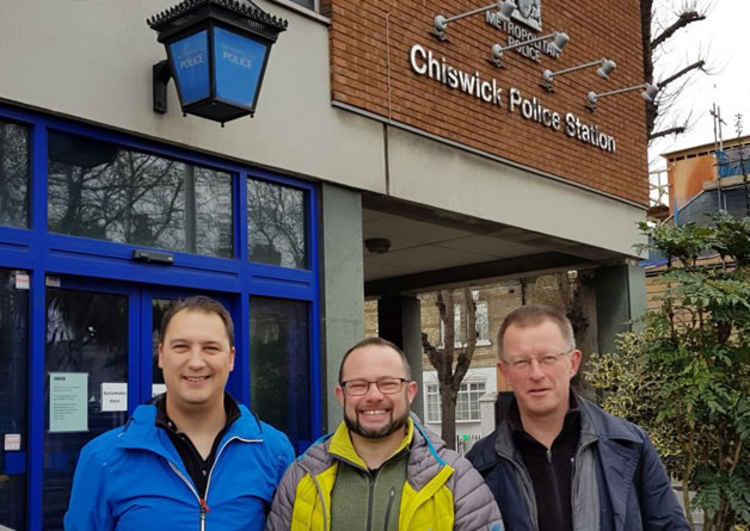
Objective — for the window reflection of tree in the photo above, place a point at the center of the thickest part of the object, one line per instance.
(213, 193)
(87, 332)
(276, 224)
(279, 364)
(138, 198)
(14, 174)
(13, 353)
(13, 396)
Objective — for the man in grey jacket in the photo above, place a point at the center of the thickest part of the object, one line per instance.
(557, 461)
(381, 469)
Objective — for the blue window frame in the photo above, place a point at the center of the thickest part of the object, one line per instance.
(100, 263)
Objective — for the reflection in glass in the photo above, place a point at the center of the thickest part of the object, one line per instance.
(158, 308)
(86, 333)
(280, 366)
(15, 174)
(102, 191)
(310, 4)
(276, 224)
(14, 311)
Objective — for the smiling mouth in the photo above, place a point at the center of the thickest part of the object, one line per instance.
(195, 378)
(370, 412)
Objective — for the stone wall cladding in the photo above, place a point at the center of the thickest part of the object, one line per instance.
(370, 43)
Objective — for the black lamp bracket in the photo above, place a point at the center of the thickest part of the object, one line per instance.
(161, 76)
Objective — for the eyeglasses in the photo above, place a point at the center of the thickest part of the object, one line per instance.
(387, 386)
(548, 360)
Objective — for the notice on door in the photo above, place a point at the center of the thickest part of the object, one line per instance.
(114, 396)
(68, 411)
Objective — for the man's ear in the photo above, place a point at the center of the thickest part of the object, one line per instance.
(339, 394)
(575, 362)
(411, 390)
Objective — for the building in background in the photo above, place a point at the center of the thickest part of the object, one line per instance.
(381, 162)
(708, 178)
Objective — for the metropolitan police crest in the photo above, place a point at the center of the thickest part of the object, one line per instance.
(529, 12)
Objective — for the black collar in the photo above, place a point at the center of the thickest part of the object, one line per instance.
(231, 409)
(572, 419)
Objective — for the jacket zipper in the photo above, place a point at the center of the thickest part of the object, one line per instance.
(202, 501)
(556, 486)
(391, 497)
(370, 497)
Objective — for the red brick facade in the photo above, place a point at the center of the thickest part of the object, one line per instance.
(370, 69)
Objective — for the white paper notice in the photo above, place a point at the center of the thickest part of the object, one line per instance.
(114, 396)
(12, 442)
(22, 281)
(68, 409)
(158, 389)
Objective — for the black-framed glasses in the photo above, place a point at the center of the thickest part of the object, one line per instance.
(387, 386)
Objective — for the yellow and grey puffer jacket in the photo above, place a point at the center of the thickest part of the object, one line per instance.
(442, 490)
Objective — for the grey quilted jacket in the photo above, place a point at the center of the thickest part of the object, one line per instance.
(442, 491)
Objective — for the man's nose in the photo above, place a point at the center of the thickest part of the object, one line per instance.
(535, 371)
(373, 391)
(196, 357)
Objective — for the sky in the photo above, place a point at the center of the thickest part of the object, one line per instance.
(725, 40)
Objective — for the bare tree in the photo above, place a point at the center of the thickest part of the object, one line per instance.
(452, 359)
(660, 22)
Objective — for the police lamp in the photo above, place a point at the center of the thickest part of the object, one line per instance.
(217, 53)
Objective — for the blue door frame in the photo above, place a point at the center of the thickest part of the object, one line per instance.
(101, 265)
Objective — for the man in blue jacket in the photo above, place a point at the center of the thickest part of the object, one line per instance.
(557, 461)
(194, 458)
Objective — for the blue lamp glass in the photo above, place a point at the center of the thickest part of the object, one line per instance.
(217, 54)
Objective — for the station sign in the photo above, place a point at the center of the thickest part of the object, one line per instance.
(424, 62)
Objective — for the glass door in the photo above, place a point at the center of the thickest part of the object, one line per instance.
(14, 319)
(100, 363)
(86, 387)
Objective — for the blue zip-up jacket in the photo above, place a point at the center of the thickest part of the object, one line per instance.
(132, 478)
(619, 482)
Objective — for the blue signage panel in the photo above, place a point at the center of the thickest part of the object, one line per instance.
(238, 61)
(190, 57)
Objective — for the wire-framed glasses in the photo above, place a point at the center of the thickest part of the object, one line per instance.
(548, 360)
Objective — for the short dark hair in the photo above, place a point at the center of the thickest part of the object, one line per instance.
(199, 303)
(535, 314)
(380, 342)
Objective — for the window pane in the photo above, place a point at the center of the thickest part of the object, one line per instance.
(14, 311)
(483, 322)
(276, 224)
(99, 190)
(458, 326)
(280, 366)
(306, 3)
(15, 175)
(86, 347)
(433, 403)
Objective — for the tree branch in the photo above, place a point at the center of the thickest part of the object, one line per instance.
(466, 353)
(665, 132)
(698, 64)
(683, 20)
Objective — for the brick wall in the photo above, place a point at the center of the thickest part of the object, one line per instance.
(370, 44)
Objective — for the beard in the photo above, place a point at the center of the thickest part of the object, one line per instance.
(394, 425)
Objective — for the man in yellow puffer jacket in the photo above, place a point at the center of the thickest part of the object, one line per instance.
(380, 469)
